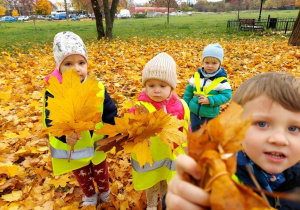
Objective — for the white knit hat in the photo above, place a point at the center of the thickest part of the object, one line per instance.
(213, 50)
(67, 43)
(162, 67)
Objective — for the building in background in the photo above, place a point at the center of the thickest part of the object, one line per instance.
(149, 9)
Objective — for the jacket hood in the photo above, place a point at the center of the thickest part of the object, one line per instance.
(220, 73)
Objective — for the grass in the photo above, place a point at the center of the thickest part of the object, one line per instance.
(23, 35)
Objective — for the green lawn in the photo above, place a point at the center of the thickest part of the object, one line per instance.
(23, 35)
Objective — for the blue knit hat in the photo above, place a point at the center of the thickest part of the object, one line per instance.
(213, 50)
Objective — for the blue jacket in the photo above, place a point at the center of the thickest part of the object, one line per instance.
(291, 181)
(221, 94)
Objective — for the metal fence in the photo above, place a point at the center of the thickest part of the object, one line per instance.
(274, 24)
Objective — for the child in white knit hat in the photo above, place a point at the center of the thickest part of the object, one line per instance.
(208, 88)
(159, 79)
(88, 164)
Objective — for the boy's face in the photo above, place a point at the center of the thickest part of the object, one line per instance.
(78, 62)
(157, 90)
(273, 139)
(211, 66)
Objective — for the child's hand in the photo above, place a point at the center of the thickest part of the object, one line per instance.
(183, 195)
(203, 100)
(72, 140)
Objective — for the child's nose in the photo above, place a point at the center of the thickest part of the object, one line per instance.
(77, 68)
(278, 138)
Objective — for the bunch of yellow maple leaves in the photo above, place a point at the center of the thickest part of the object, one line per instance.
(26, 178)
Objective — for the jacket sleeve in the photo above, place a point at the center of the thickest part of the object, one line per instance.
(188, 94)
(47, 113)
(222, 97)
(109, 110)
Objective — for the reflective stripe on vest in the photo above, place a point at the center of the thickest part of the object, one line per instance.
(206, 90)
(77, 154)
(170, 164)
(156, 164)
(84, 150)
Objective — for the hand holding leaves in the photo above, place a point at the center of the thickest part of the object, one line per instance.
(136, 130)
(214, 148)
(75, 106)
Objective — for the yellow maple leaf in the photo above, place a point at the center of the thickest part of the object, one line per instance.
(124, 205)
(137, 130)
(75, 106)
(13, 196)
(9, 169)
(141, 150)
(61, 181)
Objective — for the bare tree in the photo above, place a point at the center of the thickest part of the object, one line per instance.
(109, 11)
(110, 16)
(66, 9)
(166, 3)
(295, 36)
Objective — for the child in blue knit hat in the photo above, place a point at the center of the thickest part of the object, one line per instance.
(208, 88)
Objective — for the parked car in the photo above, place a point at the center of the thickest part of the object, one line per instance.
(60, 16)
(75, 18)
(82, 16)
(8, 19)
(124, 13)
(40, 17)
(48, 17)
(23, 18)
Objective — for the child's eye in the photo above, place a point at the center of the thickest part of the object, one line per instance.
(162, 86)
(293, 129)
(68, 64)
(262, 124)
(82, 63)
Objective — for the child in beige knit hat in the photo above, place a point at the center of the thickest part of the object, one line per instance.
(159, 79)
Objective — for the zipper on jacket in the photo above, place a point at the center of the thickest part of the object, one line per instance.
(198, 113)
(164, 107)
(277, 202)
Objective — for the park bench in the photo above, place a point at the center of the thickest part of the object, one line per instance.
(250, 25)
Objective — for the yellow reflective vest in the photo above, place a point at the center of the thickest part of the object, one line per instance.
(85, 149)
(163, 167)
(206, 90)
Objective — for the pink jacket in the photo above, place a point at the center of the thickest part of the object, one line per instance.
(172, 105)
(56, 74)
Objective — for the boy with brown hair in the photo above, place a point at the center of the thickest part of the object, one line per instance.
(270, 147)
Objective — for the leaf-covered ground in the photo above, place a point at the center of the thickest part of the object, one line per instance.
(26, 178)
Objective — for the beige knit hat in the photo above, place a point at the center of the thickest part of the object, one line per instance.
(162, 67)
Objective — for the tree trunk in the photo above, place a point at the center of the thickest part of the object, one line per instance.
(110, 16)
(168, 15)
(295, 36)
(98, 17)
(66, 8)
